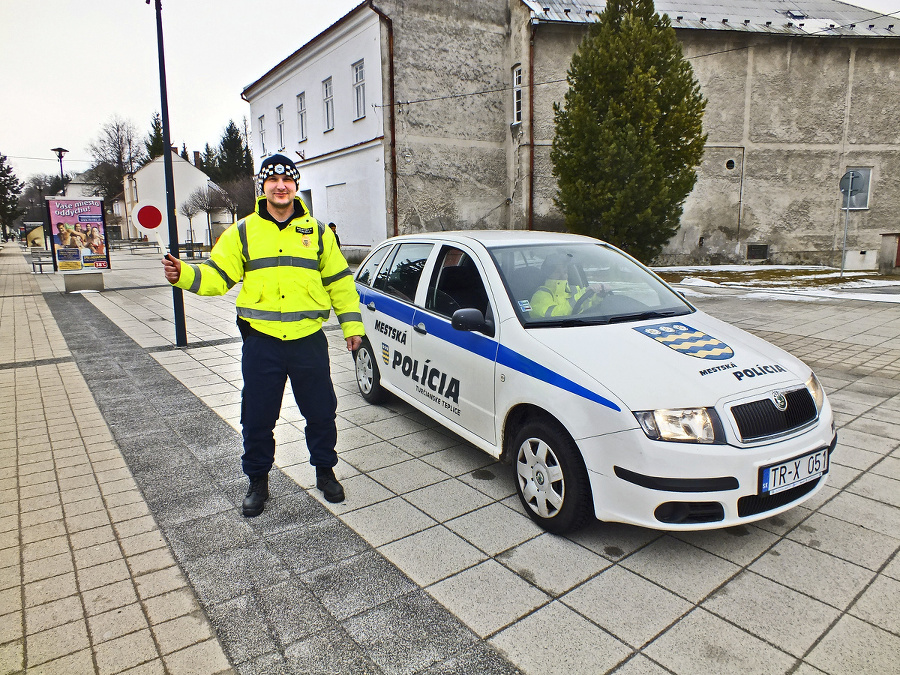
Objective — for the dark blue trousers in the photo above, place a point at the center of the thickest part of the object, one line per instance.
(266, 364)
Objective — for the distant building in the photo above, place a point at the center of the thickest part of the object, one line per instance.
(148, 184)
(408, 115)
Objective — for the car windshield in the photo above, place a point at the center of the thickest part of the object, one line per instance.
(575, 284)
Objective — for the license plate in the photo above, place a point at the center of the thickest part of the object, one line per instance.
(783, 476)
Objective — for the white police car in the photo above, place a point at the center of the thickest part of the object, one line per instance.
(609, 393)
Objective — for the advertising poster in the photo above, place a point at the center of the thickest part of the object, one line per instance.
(78, 234)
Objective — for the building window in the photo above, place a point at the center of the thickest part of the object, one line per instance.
(359, 88)
(262, 133)
(757, 251)
(279, 116)
(517, 95)
(328, 99)
(301, 116)
(859, 189)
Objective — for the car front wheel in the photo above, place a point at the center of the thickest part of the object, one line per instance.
(551, 479)
(367, 376)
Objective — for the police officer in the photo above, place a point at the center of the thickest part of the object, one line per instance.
(556, 297)
(293, 275)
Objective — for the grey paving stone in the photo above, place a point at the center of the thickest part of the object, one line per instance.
(866, 513)
(488, 597)
(553, 563)
(845, 540)
(287, 512)
(209, 535)
(327, 653)
(780, 616)
(408, 476)
(813, 572)
(628, 606)
(683, 569)
(639, 665)
(182, 507)
(431, 555)
(740, 545)
(375, 456)
(447, 499)
(704, 643)
(292, 611)
(880, 604)
(478, 658)
(853, 646)
(316, 545)
(408, 634)
(387, 521)
(614, 541)
(879, 488)
(227, 574)
(357, 584)
(572, 644)
(494, 528)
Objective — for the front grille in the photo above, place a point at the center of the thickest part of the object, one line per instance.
(759, 419)
(753, 504)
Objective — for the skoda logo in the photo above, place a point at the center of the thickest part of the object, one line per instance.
(780, 401)
(539, 478)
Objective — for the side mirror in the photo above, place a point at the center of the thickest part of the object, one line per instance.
(471, 319)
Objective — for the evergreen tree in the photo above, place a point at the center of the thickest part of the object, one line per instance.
(630, 134)
(232, 156)
(209, 163)
(10, 189)
(184, 152)
(154, 143)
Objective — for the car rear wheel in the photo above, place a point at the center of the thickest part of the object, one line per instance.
(551, 479)
(367, 376)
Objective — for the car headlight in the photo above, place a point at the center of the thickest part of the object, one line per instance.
(815, 388)
(686, 425)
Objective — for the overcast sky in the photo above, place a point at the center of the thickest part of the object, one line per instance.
(69, 66)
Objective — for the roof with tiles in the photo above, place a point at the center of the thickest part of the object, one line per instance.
(788, 17)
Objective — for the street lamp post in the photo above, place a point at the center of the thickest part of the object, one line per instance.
(177, 296)
(62, 177)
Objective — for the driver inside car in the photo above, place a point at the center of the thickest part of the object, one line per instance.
(557, 297)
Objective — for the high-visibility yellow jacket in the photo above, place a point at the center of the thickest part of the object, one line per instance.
(557, 298)
(292, 276)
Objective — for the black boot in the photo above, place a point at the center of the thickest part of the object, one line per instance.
(329, 485)
(257, 494)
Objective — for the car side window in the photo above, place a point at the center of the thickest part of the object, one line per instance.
(400, 278)
(455, 284)
(367, 273)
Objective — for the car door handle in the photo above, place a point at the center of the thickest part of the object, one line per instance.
(371, 305)
(420, 328)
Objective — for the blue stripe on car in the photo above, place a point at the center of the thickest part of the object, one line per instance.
(477, 344)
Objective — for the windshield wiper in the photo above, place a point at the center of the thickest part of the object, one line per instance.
(569, 323)
(640, 316)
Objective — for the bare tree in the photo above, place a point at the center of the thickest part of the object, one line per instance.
(206, 199)
(241, 196)
(189, 209)
(116, 151)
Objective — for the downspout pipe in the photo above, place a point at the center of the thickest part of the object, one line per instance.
(534, 25)
(389, 25)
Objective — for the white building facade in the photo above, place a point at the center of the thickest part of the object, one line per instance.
(322, 107)
(148, 185)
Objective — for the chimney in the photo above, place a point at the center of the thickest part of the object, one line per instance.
(196, 158)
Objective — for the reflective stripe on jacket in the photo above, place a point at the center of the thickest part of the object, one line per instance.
(292, 276)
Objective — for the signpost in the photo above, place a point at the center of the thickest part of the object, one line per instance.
(848, 190)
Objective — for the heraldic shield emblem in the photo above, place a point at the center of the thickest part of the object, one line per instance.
(686, 340)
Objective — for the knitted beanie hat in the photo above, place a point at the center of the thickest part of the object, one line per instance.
(276, 165)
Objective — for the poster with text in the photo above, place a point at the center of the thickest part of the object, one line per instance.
(78, 234)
